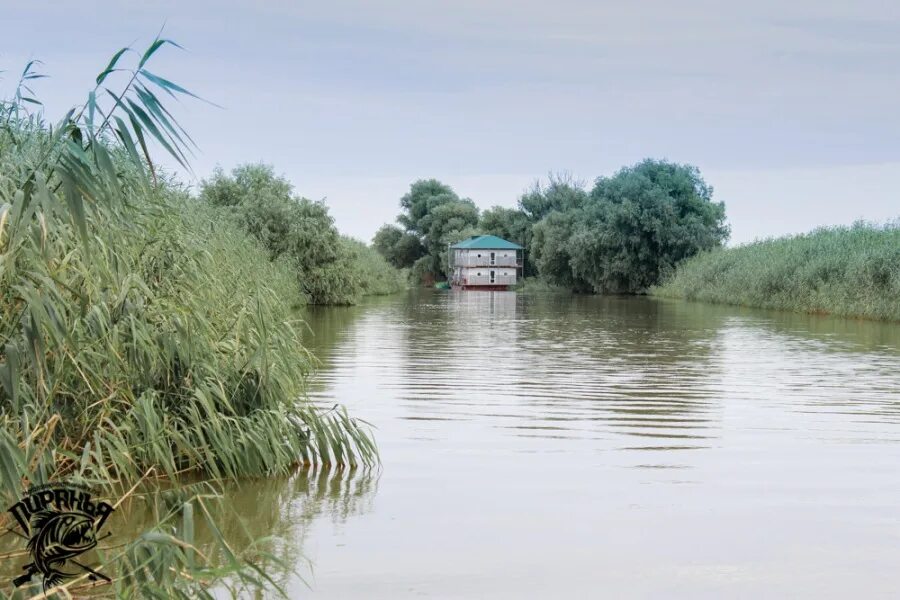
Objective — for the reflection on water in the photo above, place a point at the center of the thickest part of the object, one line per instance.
(631, 373)
(497, 359)
(277, 511)
(546, 445)
(540, 446)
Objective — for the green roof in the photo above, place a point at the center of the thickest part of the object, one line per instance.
(487, 242)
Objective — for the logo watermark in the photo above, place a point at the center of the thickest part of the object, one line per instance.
(61, 521)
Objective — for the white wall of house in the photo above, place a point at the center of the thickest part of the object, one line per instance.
(482, 275)
(483, 258)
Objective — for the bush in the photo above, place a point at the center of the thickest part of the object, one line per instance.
(142, 335)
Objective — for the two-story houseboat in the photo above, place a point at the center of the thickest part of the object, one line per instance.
(485, 262)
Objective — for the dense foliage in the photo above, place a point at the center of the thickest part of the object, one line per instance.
(552, 252)
(630, 230)
(296, 230)
(849, 271)
(633, 228)
(561, 193)
(376, 276)
(400, 248)
(142, 335)
(510, 224)
(433, 216)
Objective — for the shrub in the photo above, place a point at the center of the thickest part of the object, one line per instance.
(376, 276)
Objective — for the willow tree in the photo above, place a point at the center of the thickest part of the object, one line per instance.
(631, 230)
(291, 228)
(433, 216)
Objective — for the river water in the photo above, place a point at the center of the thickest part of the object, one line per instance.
(556, 446)
(539, 446)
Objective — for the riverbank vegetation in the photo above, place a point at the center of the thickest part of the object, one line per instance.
(144, 334)
(432, 217)
(653, 228)
(622, 236)
(329, 268)
(847, 271)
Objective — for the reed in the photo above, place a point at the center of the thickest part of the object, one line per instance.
(376, 276)
(847, 271)
(142, 335)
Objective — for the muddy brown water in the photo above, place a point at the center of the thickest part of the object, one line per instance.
(556, 446)
(569, 446)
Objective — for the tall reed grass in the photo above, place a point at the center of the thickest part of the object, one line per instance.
(376, 276)
(846, 271)
(330, 269)
(142, 335)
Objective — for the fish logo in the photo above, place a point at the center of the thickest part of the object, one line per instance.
(60, 522)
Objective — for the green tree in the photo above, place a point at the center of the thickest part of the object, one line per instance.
(450, 222)
(633, 229)
(385, 241)
(551, 249)
(290, 228)
(400, 248)
(433, 216)
(561, 193)
(418, 204)
(510, 224)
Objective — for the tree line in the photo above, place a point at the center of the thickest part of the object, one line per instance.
(329, 268)
(621, 236)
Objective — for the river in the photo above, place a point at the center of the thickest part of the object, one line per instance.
(539, 446)
(556, 446)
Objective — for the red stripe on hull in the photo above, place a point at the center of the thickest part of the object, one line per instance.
(482, 288)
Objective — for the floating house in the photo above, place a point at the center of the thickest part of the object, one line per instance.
(485, 262)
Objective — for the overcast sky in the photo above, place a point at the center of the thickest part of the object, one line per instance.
(790, 109)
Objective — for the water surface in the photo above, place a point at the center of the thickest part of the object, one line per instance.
(560, 446)
(556, 446)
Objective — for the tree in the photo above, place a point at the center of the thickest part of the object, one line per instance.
(632, 229)
(551, 250)
(386, 239)
(399, 248)
(433, 217)
(423, 197)
(561, 193)
(450, 222)
(510, 224)
(290, 228)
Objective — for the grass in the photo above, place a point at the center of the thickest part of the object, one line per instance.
(845, 271)
(143, 336)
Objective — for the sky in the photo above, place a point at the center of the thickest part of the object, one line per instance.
(791, 110)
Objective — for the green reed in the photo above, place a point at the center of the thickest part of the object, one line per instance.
(846, 271)
(142, 336)
(376, 276)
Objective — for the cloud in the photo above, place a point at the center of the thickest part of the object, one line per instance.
(345, 95)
